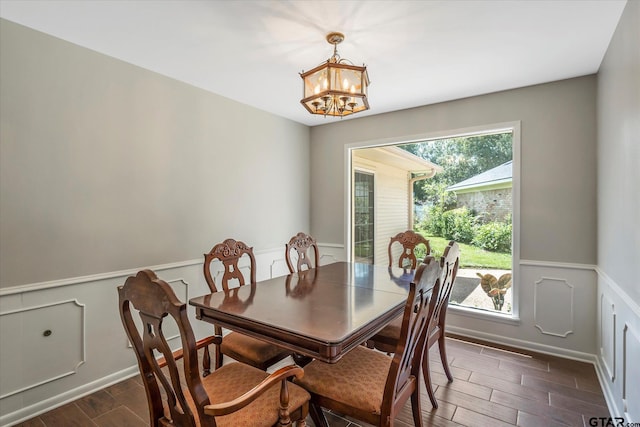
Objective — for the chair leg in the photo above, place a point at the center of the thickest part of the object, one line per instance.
(443, 356)
(206, 362)
(426, 373)
(415, 405)
(317, 415)
(218, 357)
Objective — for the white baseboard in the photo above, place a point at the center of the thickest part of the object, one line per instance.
(523, 345)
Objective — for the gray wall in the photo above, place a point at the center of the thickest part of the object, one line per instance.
(105, 166)
(558, 169)
(619, 155)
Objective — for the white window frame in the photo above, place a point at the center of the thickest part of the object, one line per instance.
(514, 128)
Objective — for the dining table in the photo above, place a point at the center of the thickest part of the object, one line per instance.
(321, 313)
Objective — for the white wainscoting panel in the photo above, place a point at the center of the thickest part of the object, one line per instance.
(618, 364)
(330, 253)
(608, 336)
(553, 306)
(557, 312)
(631, 373)
(278, 268)
(41, 344)
(108, 359)
(88, 348)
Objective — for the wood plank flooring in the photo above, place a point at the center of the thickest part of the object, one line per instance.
(492, 387)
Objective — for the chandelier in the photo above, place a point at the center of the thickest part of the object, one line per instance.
(336, 87)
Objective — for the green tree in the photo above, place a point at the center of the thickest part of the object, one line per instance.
(461, 158)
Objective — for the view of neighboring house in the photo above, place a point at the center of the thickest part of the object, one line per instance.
(383, 180)
(487, 194)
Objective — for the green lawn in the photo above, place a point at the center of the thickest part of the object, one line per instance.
(471, 256)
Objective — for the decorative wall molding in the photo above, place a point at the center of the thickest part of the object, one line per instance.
(553, 264)
(630, 373)
(327, 259)
(617, 368)
(188, 274)
(608, 336)
(31, 287)
(91, 278)
(618, 290)
(51, 372)
(278, 268)
(331, 245)
(550, 315)
(184, 285)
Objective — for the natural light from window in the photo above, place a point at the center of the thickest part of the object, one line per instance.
(470, 199)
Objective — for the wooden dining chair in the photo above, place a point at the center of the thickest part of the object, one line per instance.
(372, 386)
(234, 395)
(301, 244)
(240, 347)
(386, 340)
(436, 333)
(407, 241)
(298, 248)
(404, 244)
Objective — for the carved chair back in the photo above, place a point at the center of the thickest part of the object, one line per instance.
(449, 262)
(180, 397)
(301, 243)
(435, 331)
(409, 240)
(154, 300)
(229, 254)
(405, 366)
(240, 347)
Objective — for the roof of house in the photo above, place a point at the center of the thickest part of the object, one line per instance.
(499, 175)
(399, 158)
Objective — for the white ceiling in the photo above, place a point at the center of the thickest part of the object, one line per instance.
(417, 52)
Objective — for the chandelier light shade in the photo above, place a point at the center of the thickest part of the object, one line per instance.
(336, 87)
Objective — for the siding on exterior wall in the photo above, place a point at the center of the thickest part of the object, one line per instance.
(391, 204)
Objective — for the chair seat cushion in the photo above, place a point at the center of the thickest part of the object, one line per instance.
(251, 348)
(233, 379)
(357, 380)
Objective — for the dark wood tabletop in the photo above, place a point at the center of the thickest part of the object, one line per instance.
(321, 313)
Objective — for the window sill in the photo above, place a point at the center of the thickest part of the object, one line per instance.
(509, 319)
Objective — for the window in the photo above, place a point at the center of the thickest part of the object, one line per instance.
(473, 200)
(363, 217)
(470, 201)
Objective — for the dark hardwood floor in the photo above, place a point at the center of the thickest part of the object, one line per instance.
(492, 387)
